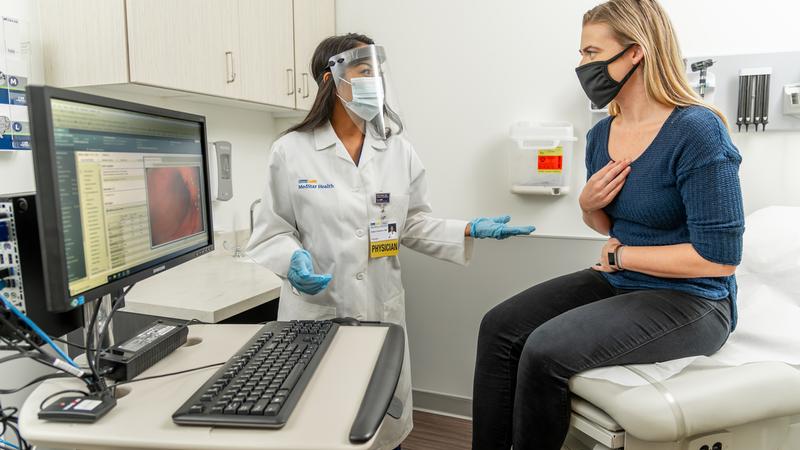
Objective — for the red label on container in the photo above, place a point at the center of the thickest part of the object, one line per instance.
(550, 162)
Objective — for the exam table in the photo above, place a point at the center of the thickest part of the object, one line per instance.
(744, 397)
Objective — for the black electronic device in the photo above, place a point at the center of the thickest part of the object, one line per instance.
(23, 272)
(347, 321)
(260, 385)
(122, 192)
(79, 409)
(125, 361)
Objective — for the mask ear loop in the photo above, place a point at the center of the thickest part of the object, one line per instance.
(616, 57)
(619, 55)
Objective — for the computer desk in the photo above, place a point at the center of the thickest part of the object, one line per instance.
(142, 418)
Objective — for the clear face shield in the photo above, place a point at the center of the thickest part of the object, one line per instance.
(362, 85)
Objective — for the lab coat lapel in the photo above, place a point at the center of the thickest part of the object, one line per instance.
(371, 146)
(325, 138)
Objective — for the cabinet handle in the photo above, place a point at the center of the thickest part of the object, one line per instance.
(289, 81)
(305, 85)
(230, 67)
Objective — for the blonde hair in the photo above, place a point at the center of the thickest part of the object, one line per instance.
(646, 24)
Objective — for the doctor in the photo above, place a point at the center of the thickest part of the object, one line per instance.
(344, 189)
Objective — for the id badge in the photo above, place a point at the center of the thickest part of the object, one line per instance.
(383, 239)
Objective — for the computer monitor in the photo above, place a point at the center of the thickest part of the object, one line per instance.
(121, 189)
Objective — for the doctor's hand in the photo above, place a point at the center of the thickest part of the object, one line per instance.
(495, 227)
(302, 277)
(604, 185)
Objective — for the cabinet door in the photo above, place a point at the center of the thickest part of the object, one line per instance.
(84, 42)
(184, 45)
(314, 20)
(267, 52)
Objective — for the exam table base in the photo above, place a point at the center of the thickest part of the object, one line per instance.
(782, 433)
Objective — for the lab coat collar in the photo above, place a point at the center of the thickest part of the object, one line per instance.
(325, 137)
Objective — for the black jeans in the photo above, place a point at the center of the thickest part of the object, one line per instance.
(530, 345)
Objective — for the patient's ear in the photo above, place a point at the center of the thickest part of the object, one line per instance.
(638, 54)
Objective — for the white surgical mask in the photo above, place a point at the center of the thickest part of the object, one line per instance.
(367, 96)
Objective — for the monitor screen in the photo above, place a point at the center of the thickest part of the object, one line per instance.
(131, 189)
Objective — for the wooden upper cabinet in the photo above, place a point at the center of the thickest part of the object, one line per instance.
(252, 50)
(314, 20)
(184, 45)
(82, 49)
(266, 52)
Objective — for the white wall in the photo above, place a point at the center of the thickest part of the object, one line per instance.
(464, 71)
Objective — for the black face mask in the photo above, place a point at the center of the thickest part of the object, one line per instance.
(598, 84)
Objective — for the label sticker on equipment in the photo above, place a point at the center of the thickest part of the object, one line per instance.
(87, 405)
(551, 160)
(146, 337)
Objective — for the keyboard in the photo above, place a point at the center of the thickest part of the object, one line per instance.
(261, 384)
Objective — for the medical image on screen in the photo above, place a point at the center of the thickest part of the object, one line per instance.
(174, 203)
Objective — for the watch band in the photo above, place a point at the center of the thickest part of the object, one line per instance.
(617, 257)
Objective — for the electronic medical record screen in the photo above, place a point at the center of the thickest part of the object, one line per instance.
(131, 189)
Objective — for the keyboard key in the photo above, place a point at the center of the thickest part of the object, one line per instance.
(232, 408)
(272, 409)
(291, 380)
(259, 407)
(196, 409)
(245, 408)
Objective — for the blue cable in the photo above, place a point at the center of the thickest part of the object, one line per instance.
(8, 444)
(10, 306)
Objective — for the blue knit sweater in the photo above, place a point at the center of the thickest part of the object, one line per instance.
(683, 188)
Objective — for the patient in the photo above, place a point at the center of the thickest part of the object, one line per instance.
(663, 184)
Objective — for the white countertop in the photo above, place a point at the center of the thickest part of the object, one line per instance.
(210, 288)
(143, 418)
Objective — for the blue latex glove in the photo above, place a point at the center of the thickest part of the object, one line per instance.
(495, 227)
(301, 274)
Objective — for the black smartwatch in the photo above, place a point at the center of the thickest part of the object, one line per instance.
(614, 260)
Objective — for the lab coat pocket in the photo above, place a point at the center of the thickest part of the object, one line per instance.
(398, 210)
(394, 308)
(297, 306)
(315, 204)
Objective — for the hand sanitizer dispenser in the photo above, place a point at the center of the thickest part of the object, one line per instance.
(221, 172)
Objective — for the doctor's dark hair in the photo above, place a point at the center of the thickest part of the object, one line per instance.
(326, 98)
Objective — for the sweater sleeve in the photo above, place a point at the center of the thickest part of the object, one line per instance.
(591, 148)
(708, 181)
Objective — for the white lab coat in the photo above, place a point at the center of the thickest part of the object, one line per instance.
(331, 221)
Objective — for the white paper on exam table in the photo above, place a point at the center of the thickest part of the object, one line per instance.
(768, 301)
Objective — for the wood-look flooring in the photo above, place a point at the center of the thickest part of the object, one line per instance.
(436, 432)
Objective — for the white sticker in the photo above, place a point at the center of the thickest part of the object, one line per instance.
(88, 405)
